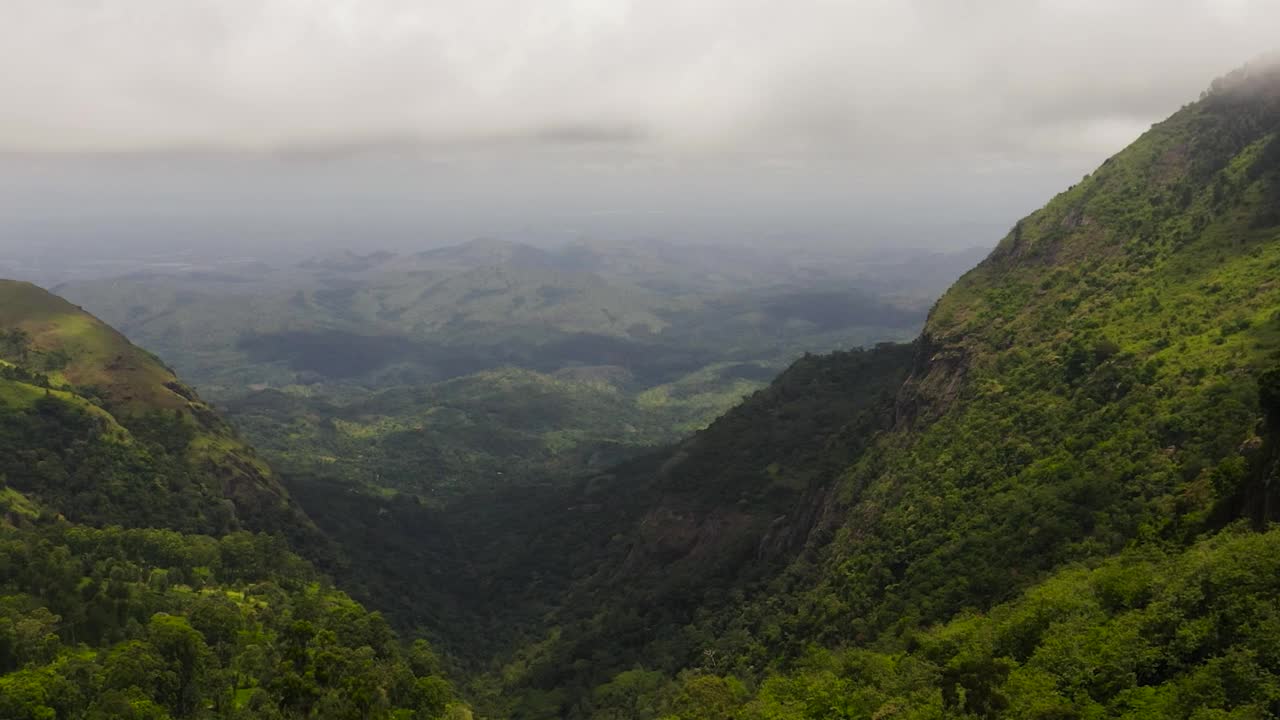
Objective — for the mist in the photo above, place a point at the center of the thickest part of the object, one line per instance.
(277, 127)
(265, 204)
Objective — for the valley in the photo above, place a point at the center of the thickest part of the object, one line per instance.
(418, 407)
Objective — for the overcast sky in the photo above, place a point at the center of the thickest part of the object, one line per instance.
(243, 122)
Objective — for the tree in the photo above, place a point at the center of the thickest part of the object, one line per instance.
(186, 654)
(135, 664)
(126, 705)
(708, 697)
(973, 685)
(1269, 395)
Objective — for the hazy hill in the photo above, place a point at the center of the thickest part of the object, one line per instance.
(642, 341)
(380, 320)
(486, 303)
(484, 252)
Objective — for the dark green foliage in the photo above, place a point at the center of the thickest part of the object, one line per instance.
(1144, 635)
(153, 623)
(24, 375)
(971, 686)
(169, 431)
(15, 345)
(1269, 395)
(720, 513)
(103, 614)
(65, 456)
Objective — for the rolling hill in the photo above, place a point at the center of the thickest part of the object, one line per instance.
(660, 310)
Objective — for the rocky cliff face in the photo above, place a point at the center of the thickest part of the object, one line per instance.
(934, 384)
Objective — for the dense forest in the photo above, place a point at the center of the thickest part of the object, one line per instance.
(145, 560)
(1057, 503)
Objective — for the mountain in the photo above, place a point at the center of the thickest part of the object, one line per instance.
(64, 367)
(487, 252)
(1058, 509)
(147, 564)
(62, 339)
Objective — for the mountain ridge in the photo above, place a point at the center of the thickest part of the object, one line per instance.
(1092, 385)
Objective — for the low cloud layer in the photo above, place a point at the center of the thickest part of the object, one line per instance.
(754, 97)
(713, 75)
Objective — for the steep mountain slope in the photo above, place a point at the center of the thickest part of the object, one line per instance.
(75, 348)
(1094, 385)
(130, 583)
(67, 376)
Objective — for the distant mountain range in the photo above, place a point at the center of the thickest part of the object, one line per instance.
(651, 337)
(494, 303)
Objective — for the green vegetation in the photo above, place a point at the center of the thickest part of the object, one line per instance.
(53, 341)
(113, 623)
(509, 562)
(131, 585)
(1146, 634)
(113, 436)
(479, 432)
(465, 435)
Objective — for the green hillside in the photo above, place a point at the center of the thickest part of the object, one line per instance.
(69, 381)
(1086, 403)
(483, 430)
(146, 569)
(54, 337)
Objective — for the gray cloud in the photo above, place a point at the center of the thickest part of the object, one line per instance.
(708, 75)
(582, 134)
(544, 112)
